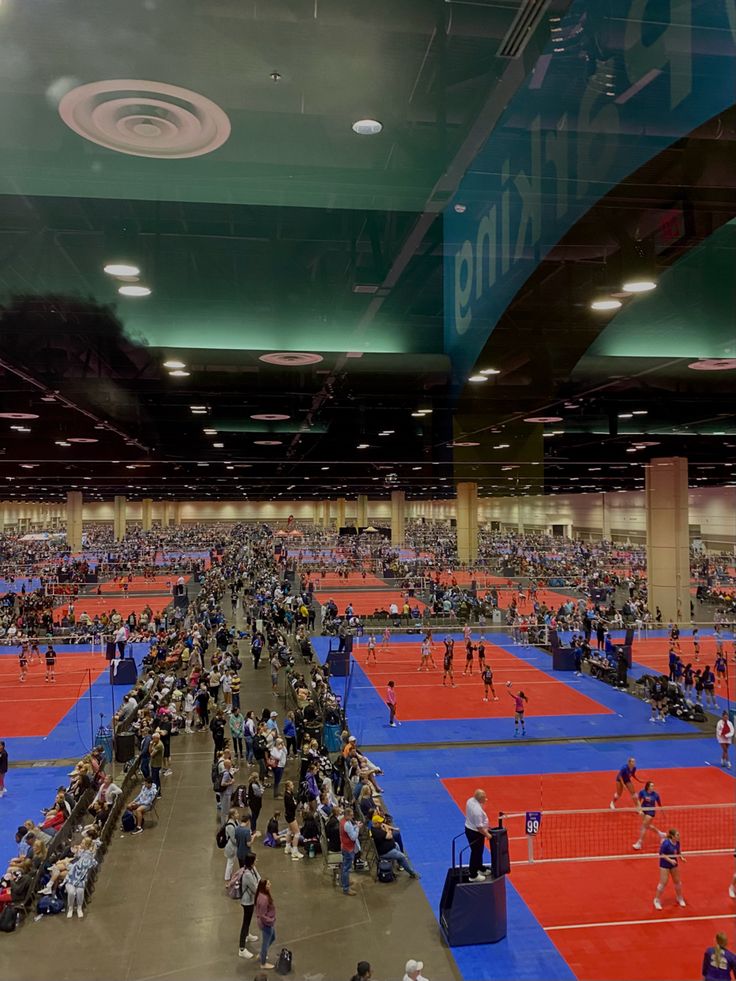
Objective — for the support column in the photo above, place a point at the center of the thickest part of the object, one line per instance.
(146, 513)
(177, 513)
(118, 517)
(398, 514)
(317, 513)
(467, 522)
(362, 518)
(519, 518)
(167, 514)
(340, 512)
(668, 538)
(74, 520)
(605, 518)
(325, 514)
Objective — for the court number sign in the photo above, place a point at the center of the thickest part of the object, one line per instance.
(533, 822)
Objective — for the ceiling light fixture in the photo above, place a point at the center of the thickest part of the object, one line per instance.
(363, 446)
(704, 364)
(179, 373)
(18, 415)
(639, 286)
(605, 303)
(218, 446)
(267, 442)
(490, 371)
(291, 359)
(210, 432)
(121, 269)
(543, 419)
(270, 417)
(134, 290)
(82, 439)
(174, 364)
(626, 415)
(62, 442)
(418, 415)
(367, 127)
(478, 378)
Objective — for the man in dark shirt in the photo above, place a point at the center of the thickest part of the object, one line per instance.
(386, 847)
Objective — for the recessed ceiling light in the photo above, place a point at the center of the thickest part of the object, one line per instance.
(387, 432)
(626, 415)
(134, 290)
(490, 371)
(605, 303)
(218, 446)
(203, 464)
(199, 412)
(543, 419)
(291, 359)
(270, 417)
(121, 269)
(267, 442)
(324, 468)
(367, 127)
(501, 446)
(179, 373)
(29, 466)
(708, 364)
(62, 442)
(196, 408)
(418, 415)
(640, 412)
(210, 432)
(174, 364)
(18, 415)
(639, 286)
(416, 468)
(48, 398)
(478, 378)
(466, 442)
(363, 446)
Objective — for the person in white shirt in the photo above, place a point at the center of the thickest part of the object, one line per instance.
(413, 971)
(724, 735)
(477, 833)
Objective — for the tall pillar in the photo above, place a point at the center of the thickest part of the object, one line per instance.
(398, 514)
(177, 513)
(341, 512)
(146, 513)
(317, 513)
(118, 517)
(362, 505)
(668, 538)
(605, 518)
(519, 518)
(467, 522)
(74, 520)
(325, 514)
(167, 514)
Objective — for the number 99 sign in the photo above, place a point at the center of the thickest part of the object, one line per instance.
(533, 822)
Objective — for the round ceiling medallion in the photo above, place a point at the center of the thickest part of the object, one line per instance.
(291, 359)
(18, 415)
(270, 417)
(543, 419)
(714, 364)
(81, 439)
(145, 119)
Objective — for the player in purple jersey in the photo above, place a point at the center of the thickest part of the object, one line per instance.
(625, 780)
(649, 801)
(670, 856)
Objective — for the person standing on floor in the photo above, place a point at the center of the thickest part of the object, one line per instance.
(391, 702)
(156, 752)
(724, 735)
(237, 732)
(227, 785)
(3, 767)
(217, 728)
(278, 763)
(231, 845)
(477, 833)
(349, 834)
(249, 885)
(265, 911)
(255, 800)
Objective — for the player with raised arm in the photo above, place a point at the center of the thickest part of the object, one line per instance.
(447, 661)
(519, 709)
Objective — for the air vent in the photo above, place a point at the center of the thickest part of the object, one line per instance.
(518, 35)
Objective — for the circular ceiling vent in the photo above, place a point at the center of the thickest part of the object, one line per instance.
(270, 416)
(145, 119)
(543, 419)
(714, 364)
(18, 415)
(292, 359)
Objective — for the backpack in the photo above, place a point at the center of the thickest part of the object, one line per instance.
(385, 870)
(48, 905)
(284, 963)
(127, 821)
(234, 887)
(221, 836)
(8, 919)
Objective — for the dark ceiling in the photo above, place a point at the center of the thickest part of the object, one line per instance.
(297, 235)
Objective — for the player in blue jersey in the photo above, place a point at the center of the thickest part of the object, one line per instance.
(670, 856)
(625, 780)
(649, 801)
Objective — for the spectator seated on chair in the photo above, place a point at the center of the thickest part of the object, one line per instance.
(142, 804)
(105, 799)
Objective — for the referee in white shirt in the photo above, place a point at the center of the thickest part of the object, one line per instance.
(476, 831)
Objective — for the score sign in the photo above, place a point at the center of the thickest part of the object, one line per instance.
(533, 822)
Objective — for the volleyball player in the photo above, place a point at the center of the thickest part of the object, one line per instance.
(447, 664)
(385, 639)
(709, 685)
(658, 700)
(625, 779)
(23, 662)
(371, 648)
(720, 666)
(426, 654)
(34, 653)
(670, 855)
(50, 656)
(649, 801)
(487, 676)
(466, 633)
(481, 654)
(468, 657)
(696, 644)
(519, 700)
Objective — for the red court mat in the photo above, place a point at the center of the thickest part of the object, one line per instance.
(366, 602)
(421, 695)
(653, 652)
(159, 584)
(35, 707)
(124, 605)
(355, 581)
(607, 928)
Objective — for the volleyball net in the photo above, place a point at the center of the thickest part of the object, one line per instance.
(603, 833)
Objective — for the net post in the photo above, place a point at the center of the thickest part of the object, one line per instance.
(530, 848)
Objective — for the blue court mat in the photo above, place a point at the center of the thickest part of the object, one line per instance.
(29, 789)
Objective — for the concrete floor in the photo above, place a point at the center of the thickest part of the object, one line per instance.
(160, 911)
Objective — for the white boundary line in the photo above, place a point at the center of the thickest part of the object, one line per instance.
(662, 922)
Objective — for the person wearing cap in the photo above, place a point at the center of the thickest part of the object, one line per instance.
(272, 725)
(413, 971)
(476, 831)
